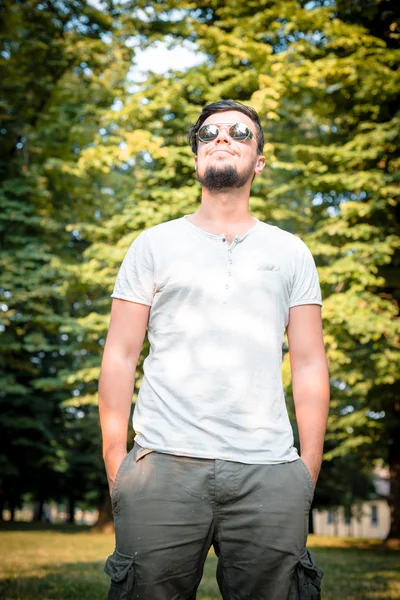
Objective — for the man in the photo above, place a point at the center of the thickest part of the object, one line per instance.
(213, 461)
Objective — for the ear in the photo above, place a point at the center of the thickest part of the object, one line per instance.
(260, 164)
(195, 161)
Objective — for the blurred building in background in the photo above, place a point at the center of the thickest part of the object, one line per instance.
(371, 519)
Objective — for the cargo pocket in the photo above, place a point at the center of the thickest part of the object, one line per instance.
(120, 569)
(306, 580)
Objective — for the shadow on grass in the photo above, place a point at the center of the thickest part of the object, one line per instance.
(358, 572)
(71, 581)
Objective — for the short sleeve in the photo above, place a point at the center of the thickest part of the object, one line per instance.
(305, 288)
(135, 279)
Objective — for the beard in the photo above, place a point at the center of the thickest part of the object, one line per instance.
(217, 179)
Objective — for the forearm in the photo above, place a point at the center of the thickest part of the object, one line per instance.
(311, 398)
(116, 385)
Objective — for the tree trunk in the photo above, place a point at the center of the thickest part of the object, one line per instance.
(2, 503)
(335, 522)
(71, 510)
(105, 521)
(38, 511)
(394, 494)
(12, 509)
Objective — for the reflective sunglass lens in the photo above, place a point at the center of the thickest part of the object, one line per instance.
(207, 133)
(239, 131)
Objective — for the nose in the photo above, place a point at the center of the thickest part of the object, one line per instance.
(223, 136)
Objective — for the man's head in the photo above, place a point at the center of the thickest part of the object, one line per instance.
(225, 106)
(228, 154)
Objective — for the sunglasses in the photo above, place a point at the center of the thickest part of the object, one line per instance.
(237, 131)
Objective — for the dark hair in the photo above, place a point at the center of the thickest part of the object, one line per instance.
(223, 106)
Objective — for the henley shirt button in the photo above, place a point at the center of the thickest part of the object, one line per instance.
(227, 286)
(229, 273)
(230, 262)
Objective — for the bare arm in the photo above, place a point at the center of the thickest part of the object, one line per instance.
(117, 378)
(310, 381)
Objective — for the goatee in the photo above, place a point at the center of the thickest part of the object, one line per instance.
(225, 178)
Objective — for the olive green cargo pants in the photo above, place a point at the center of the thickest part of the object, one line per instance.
(169, 510)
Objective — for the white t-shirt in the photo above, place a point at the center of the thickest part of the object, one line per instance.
(212, 385)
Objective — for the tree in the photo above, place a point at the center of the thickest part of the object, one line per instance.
(58, 76)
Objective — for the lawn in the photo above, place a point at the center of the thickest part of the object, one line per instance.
(66, 563)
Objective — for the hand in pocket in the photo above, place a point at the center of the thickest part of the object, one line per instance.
(113, 463)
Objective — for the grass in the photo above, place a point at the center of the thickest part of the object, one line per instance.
(66, 563)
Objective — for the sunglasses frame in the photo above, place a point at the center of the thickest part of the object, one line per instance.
(249, 136)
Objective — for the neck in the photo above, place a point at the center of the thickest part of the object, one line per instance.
(225, 207)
